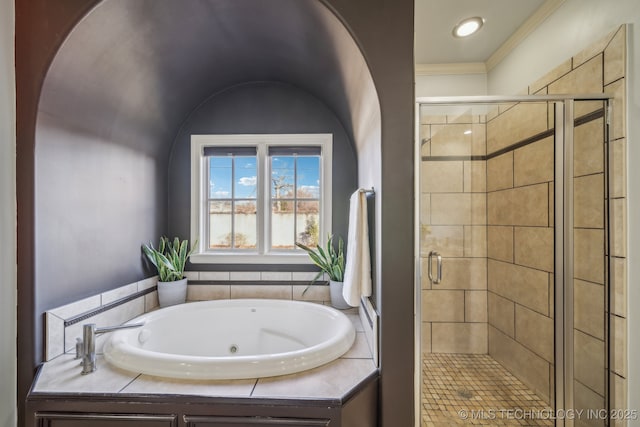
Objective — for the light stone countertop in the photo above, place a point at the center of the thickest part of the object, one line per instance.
(331, 381)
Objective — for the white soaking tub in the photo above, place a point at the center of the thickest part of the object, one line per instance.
(232, 339)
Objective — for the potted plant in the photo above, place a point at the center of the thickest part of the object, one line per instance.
(330, 261)
(170, 259)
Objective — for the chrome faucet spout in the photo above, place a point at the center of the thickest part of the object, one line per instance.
(89, 332)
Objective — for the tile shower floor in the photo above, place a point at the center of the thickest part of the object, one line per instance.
(474, 389)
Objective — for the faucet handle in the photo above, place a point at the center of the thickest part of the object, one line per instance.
(79, 348)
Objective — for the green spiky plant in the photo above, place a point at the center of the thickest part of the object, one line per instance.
(330, 260)
(170, 257)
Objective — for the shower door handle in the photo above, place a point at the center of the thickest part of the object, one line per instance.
(438, 277)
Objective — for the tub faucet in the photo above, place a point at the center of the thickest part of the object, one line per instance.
(89, 332)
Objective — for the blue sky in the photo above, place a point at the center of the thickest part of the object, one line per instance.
(220, 172)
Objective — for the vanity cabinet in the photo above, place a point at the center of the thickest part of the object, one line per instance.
(357, 409)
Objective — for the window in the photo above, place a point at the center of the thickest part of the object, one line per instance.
(255, 196)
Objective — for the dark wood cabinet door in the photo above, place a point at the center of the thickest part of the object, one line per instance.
(105, 420)
(200, 421)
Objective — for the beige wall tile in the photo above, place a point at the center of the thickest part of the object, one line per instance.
(475, 241)
(619, 227)
(425, 140)
(619, 344)
(470, 338)
(516, 124)
(589, 362)
(530, 368)
(261, 291)
(478, 208)
(442, 306)
(451, 140)
(425, 332)
(500, 172)
(500, 243)
(501, 313)
(448, 240)
(492, 112)
(461, 273)
(614, 56)
(588, 201)
(425, 208)
(425, 283)
(551, 76)
(523, 285)
(619, 122)
(534, 247)
(465, 117)
(618, 168)
(475, 176)
(450, 208)
(589, 308)
(441, 177)
(586, 78)
(589, 255)
(618, 390)
(535, 331)
(475, 306)
(619, 286)
(588, 148)
(534, 163)
(208, 292)
(552, 204)
(426, 116)
(524, 206)
(316, 293)
(586, 399)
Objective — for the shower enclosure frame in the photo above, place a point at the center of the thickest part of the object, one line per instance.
(563, 238)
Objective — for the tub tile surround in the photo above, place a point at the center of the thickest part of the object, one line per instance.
(331, 381)
(515, 273)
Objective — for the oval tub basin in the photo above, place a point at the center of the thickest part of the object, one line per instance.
(232, 339)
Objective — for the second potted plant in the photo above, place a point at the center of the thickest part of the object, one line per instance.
(170, 259)
(330, 261)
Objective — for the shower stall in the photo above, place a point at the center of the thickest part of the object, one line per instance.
(512, 268)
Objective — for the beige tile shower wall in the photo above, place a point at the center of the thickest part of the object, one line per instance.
(598, 69)
(453, 222)
(520, 244)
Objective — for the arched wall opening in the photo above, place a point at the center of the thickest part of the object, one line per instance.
(106, 83)
(129, 84)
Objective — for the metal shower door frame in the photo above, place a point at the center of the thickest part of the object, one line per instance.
(563, 238)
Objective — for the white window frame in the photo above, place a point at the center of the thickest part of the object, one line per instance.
(199, 188)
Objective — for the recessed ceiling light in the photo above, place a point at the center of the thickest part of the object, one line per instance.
(467, 26)
(467, 132)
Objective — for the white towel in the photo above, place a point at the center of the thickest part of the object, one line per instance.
(357, 272)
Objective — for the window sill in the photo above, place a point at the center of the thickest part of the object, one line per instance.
(209, 258)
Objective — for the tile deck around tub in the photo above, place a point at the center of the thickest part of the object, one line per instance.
(330, 381)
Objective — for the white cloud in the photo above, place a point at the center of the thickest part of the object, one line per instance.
(221, 193)
(248, 180)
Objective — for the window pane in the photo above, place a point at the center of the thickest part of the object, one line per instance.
(282, 225)
(245, 177)
(220, 225)
(220, 177)
(307, 222)
(282, 176)
(308, 177)
(245, 225)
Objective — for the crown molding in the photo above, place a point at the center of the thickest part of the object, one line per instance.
(450, 69)
(538, 17)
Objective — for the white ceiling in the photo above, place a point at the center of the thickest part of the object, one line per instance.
(435, 19)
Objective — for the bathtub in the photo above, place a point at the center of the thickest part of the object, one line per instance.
(232, 339)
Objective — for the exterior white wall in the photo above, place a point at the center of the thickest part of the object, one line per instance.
(7, 217)
(451, 85)
(574, 26)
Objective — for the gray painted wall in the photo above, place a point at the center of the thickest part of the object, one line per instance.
(260, 107)
(7, 218)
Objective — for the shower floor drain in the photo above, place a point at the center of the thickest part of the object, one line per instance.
(465, 394)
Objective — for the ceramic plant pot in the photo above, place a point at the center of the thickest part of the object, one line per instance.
(337, 300)
(172, 293)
